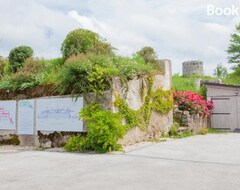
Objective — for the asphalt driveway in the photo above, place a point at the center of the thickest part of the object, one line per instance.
(199, 162)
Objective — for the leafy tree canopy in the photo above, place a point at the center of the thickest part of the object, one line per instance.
(220, 71)
(83, 41)
(18, 55)
(234, 47)
(148, 54)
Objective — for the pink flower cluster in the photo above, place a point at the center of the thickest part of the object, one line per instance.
(192, 102)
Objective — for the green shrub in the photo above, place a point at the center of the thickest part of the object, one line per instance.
(32, 66)
(101, 48)
(81, 41)
(104, 130)
(4, 65)
(82, 76)
(85, 73)
(148, 54)
(56, 62)
(74, 144)
(18, 55)
(25, 77)
(128, 68)
(52, 71)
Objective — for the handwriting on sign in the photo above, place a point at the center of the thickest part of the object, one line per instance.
(58, 113)
(5, 115)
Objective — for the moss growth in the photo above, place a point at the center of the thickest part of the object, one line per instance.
(162, 101)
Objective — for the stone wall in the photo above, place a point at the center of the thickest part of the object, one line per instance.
(192, 68)
(131, 93)
(193, 123)
(159, 123)
(9, 137)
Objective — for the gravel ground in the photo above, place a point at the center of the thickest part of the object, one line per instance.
(14, 148)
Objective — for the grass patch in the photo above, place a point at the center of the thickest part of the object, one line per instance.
(182, 83)
(216, 131)
(180, 135)
(157, 140)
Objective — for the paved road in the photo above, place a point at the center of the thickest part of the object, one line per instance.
(199, 162)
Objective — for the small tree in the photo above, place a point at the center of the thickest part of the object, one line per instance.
(81, 41)
(220, 71)
(234, 47)
(18, 55)
(148, 54)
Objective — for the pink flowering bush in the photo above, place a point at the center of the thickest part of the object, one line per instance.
(192, 102)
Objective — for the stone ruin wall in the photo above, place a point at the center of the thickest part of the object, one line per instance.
(192, 68)
(159, 123)
(194, 123)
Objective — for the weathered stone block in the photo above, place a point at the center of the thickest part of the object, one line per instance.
(192, 68)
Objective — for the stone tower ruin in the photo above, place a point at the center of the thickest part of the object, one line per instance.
(192, 68)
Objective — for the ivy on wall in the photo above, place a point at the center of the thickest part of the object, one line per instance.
(160, 101)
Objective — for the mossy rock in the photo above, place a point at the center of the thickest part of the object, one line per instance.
(12, 140)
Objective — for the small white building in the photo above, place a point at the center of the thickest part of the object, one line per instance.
(226, 100)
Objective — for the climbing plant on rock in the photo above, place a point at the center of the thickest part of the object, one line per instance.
(162, 101)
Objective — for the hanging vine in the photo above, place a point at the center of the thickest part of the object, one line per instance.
(160, 101)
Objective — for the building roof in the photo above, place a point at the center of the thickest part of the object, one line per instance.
(221, 85)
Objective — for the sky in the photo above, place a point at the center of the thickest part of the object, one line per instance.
(179, 30)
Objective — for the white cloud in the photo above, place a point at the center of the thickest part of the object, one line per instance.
(35, 25)
(178, 30)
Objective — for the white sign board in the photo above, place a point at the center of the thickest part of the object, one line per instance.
(26, 117)
(59, 114)
(8, 115)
